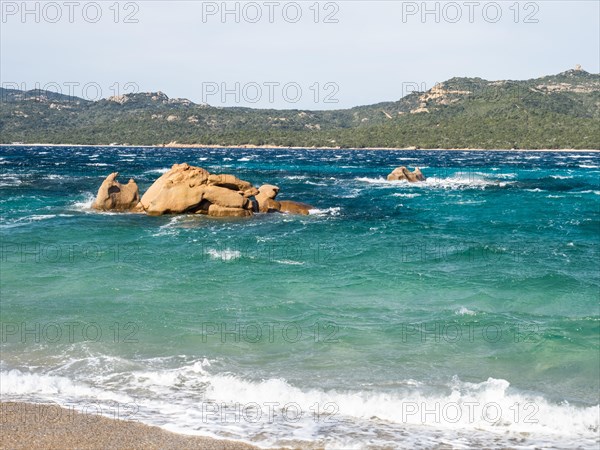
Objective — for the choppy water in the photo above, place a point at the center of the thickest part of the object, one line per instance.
(464, 310)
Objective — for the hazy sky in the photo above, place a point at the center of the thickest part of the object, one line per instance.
(282, 54)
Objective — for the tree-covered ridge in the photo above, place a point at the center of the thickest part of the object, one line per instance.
(558, 111)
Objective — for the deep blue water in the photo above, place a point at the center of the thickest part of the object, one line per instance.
(464, 310)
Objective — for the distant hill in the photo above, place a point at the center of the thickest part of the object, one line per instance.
(557, 111)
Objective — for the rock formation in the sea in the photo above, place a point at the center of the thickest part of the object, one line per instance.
(402, 173)
(290, 207)
(265, 199)
(114, 196)
(186, 189)
(266, 202)
(178, 190)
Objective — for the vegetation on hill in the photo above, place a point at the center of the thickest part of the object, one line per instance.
(558, 111)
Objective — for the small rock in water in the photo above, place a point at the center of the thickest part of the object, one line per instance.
(114, 196)
(402, 173)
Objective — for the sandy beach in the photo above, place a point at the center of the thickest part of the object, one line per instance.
(31, 426)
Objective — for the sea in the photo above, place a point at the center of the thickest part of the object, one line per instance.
(462, 312)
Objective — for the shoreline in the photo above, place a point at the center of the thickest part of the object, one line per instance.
(50, 426)
(275, 147)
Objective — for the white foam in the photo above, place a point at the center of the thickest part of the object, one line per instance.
(589, 166)
(458, 181)
(175, 398)
(413, 195)
(289, 262)
(21, 221)
(10, 180)
(573, 156)
(470, 202)
(461, 181)
(510, 176)
(224, 255)
(171, 227)
(373, 180)
(84, 205)
(333, 211)
(549, 419)
(462, 311)
(55, 177)
(37, 217)
(352, 194)
(52, 387)
(159, 171)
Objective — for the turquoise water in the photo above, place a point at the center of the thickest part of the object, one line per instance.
(464, 310)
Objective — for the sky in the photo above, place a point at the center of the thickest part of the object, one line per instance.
(284, 54)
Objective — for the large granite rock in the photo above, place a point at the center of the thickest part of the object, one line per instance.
(177, 191)
(186, 189)
(224, 197)
(250, 192)
(265, 198)
(402, 173)
(114, 196)
(229, 182)
(221, 211)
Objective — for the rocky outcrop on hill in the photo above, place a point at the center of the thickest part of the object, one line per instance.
(186, 189)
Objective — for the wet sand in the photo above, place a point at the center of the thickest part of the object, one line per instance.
(34, 426)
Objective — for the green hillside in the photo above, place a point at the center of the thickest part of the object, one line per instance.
(558, 111)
